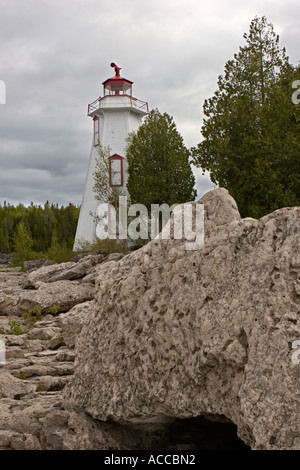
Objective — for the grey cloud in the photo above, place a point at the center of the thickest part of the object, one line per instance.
(55, 55)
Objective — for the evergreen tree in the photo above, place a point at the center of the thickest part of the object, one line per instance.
(250, 131)
(4, 243)
(159, 170)
(22, 244)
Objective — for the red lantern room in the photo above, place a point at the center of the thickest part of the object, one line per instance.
(117, 85)
(117, 94)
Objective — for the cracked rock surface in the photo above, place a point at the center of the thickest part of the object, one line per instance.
(174, 333)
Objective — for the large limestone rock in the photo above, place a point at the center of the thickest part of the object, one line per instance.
(11, 280)
(84, 269)
(60, 295)
(11, 387)
(35, 278)
(72, 322)
(32, 265)
(7, 304)
(178, 333)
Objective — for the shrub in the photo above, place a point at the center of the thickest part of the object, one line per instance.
(16, 328)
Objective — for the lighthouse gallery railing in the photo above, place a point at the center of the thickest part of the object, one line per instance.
(134, 102)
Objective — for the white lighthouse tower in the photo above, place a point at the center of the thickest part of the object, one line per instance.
(115, 115)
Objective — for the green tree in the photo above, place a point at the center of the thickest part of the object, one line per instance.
(4, 242)
(250, 130)
(59, 250)
(106, 193)
(22, 244)
(159, 170)
(103, 191)
(42, 224)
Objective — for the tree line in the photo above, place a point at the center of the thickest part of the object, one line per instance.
(36, 231)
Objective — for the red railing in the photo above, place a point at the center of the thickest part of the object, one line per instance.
(134, 102)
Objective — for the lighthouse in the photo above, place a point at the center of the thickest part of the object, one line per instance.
(114, 116)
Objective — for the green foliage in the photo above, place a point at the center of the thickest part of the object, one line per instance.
(106, 194)
(54, 309)
(159, 170)
(22, 376)
(34, 314)
(4, 242)
(22, 243)
(102, 189)
(38, 417)
(250, 132)
(16, 328)
(38, 232)
(59, 251)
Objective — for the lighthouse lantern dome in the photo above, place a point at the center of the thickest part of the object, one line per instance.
(117, 85)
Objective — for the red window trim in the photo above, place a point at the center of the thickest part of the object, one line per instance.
(116, 157)
(96, 130)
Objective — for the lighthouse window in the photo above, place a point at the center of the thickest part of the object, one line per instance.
(117, 89)
(96, 130)
(116, 170)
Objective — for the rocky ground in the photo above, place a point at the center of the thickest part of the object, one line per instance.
(39, 347)
(39, 362)
(163, 348)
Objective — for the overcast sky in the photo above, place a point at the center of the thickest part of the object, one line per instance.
(55, 54)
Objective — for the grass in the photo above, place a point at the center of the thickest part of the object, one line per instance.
(22, 376)
(34, 314)
(16, 328)
(54, 310)
(41, 388)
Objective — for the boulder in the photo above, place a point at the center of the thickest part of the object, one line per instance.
(68, 271)
(11, 387)
(35, 278)
(7, 304)
(58, 296)
(72, 321)
(177, 333)
(85, 269)
(75, 272)
(90, 277)
(4, 325)
(31, 265)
